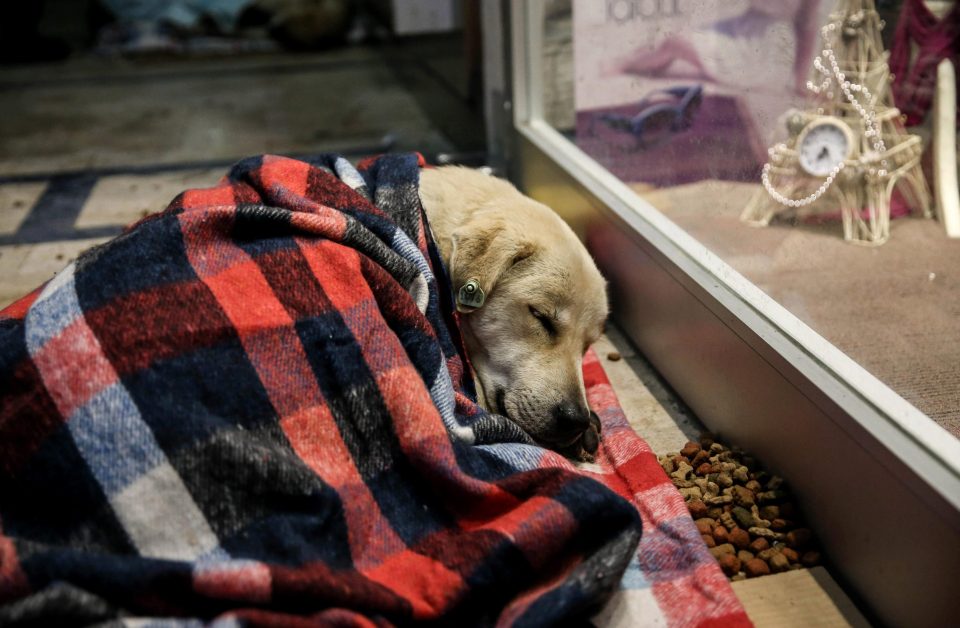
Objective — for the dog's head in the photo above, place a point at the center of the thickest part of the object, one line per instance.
(543, 304)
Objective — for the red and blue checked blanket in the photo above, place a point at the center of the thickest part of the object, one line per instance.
(253, 409)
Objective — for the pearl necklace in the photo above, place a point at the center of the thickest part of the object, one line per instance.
(833, 74)
(783, 200)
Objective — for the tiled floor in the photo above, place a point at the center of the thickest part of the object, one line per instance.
(16, 201)
(92, 145)
(32, 254)
(123, 198)
(179, 112)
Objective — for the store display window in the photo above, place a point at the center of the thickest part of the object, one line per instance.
(770, 189)
(809, 144)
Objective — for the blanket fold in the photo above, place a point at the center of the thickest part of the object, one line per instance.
(254, 408)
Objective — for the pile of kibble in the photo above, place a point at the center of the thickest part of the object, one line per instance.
(744, 514)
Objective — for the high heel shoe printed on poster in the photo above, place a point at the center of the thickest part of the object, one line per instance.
(660, 114)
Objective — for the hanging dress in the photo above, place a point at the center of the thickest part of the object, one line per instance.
(934, 39)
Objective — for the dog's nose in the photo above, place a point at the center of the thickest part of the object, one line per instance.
(571, 418)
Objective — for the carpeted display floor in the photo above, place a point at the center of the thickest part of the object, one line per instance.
(895, 308)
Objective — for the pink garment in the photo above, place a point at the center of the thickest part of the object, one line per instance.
(915, 82)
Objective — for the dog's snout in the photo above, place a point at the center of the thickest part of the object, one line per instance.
(571, 418)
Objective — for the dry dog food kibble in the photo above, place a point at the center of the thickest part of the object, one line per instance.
(744, 514)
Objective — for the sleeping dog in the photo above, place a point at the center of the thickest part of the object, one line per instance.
(531, 300)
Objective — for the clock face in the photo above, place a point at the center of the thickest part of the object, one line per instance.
(824, 145)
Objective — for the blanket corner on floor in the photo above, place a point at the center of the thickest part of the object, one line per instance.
(255, 406)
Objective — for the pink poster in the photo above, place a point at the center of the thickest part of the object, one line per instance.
(677, 91)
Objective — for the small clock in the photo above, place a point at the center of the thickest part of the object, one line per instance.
(823, 144)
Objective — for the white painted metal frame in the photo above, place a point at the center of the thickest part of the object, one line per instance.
(897, 435)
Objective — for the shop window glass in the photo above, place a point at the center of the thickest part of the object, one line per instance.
(777, 134)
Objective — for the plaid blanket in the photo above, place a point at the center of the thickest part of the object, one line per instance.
(253, 409)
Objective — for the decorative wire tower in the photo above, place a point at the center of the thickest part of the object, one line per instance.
(850, 82)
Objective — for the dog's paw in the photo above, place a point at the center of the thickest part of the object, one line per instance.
(590, 441)
(585, 448)
(588, 446)
(595, 421)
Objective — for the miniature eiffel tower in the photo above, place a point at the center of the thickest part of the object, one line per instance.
(851, 86)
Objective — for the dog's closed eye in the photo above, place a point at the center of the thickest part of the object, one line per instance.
(544, 320)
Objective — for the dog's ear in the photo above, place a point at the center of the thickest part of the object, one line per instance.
(481, 251)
